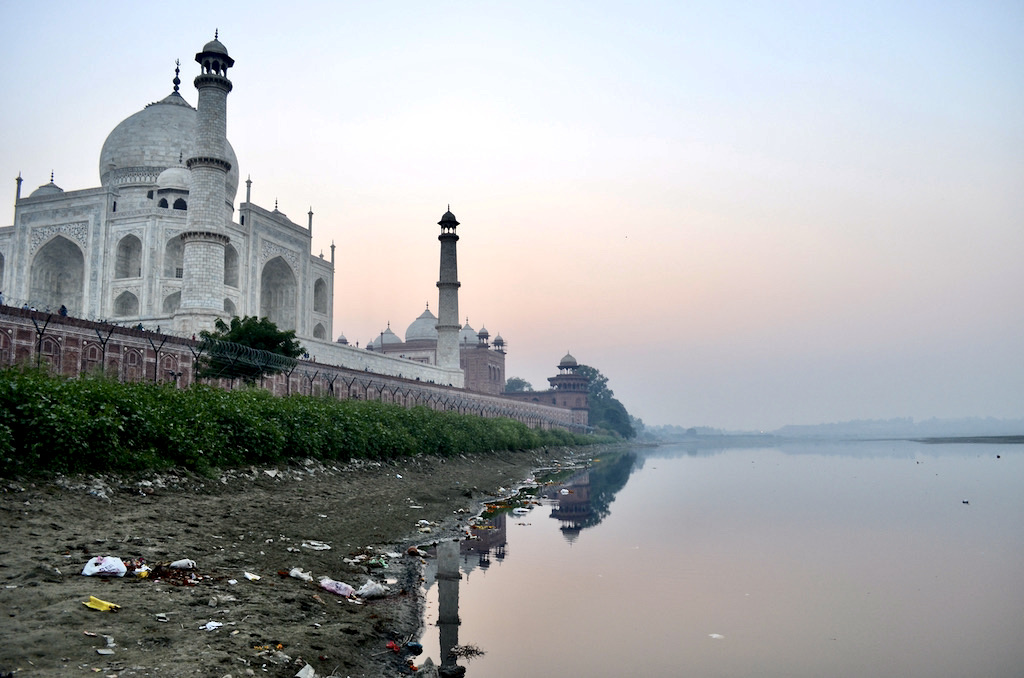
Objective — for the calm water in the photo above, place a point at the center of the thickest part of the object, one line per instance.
(812, 560)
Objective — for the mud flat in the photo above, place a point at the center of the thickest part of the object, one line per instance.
(260, 521)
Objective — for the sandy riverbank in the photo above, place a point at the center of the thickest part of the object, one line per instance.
(243, 521)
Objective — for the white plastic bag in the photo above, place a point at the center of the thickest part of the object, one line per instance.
(183, 564)
(104, 566)
(299, 573)
(372, 589)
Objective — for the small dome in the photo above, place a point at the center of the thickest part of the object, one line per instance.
(423, 328)
(47, 189)
(388, 336)
(342, 340)
(177, 178)
(568, 361)
(498, 341)
(483, 333)
(468, 334)
(448, 218)
(215, 45)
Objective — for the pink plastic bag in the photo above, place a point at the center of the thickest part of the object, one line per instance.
(338, 587)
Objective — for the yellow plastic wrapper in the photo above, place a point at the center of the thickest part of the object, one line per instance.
(101, 605)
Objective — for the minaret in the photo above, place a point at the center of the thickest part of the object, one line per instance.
(448, 296)
(202, 285)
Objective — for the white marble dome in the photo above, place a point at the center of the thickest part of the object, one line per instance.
(423, 328)
(177, 178)
(159, 136)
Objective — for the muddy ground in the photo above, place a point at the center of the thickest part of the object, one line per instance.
(261, 521)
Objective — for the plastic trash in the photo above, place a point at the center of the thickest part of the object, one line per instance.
(183, 564)
(563, 492)
(372, 589)
(211, 626)
(105, 566)
(251, 577)
(101, 605)
(306, 672)
(316, 545)
(338, 587)
(298, 573)
(520, 511)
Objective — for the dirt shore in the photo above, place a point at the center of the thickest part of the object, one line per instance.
(261, 521)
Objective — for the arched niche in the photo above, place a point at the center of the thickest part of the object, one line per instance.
(229, 308)
(320, 296)
(58, 275)
(171, 303)
(126, 305)
(128, 263)
(278, 294)
(174, 258)
(230, 266)
(319, 332)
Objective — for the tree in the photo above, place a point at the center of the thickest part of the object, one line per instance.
(605, 410)
(517, 385)
(249, 348)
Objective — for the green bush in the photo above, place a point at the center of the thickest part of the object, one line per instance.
(54, 425)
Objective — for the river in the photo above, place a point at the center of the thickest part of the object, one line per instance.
(890, 558)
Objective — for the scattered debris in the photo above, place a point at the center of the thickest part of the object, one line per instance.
(101, 605)
(372, 589)
(338, 587)
(466, 652)
(183, 564)
(251, 577)
(211, 626)
(316, 545)
(104, 566)
(299, 573)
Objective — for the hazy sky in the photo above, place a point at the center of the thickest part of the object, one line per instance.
(744, 214)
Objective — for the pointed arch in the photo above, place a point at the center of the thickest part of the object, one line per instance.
(230, 266)
(174, 258)
(128, 263)
(126, 305)
(229, 308)
(171, 303)
(58, 275)
(320, 296)
(278, 294)
(319, 332)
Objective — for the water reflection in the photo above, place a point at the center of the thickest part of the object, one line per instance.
(584, 499)
(448, 606)
(793, 560)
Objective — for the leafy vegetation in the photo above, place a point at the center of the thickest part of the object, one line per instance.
(55, 425)
(606, 412)
(517, 385)
(249, 348)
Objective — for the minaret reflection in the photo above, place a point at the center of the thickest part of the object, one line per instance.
(448, 605)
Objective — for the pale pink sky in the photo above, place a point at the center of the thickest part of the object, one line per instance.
(744, 215)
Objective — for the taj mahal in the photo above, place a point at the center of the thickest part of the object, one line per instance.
(161, 242)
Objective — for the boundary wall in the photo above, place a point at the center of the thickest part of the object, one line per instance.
(73, 346)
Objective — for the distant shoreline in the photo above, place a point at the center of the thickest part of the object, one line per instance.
(988, 440)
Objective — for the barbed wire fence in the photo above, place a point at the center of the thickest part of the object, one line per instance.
(215, 359)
